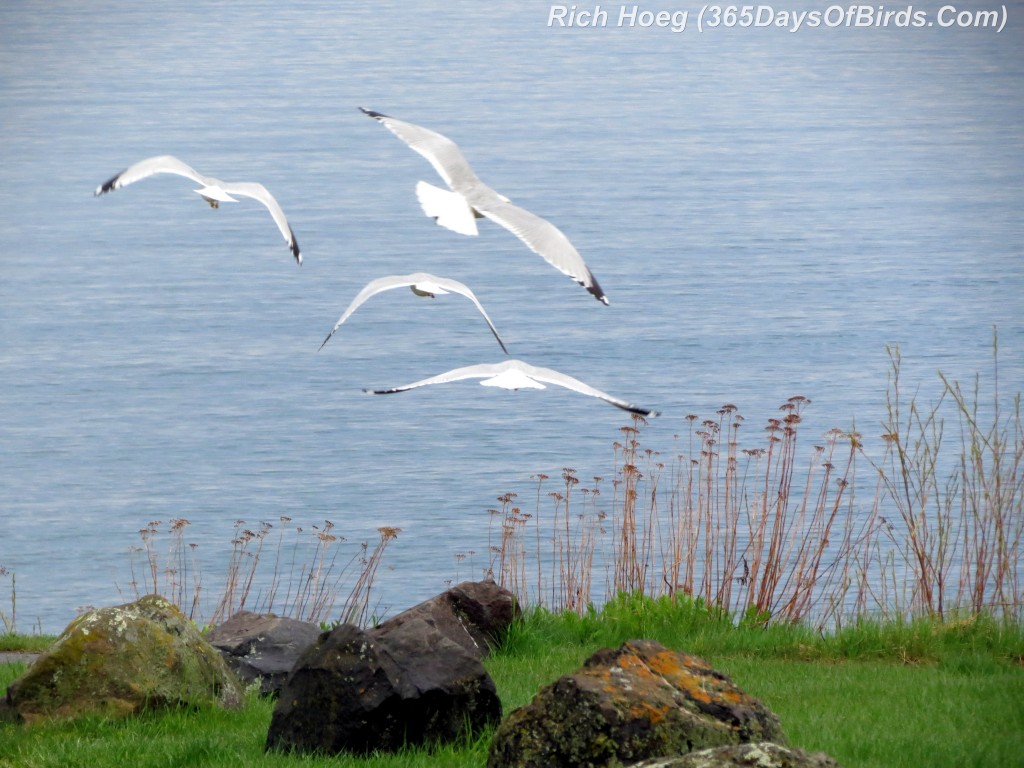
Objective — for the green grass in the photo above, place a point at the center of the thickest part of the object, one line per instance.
(887, 714)
(922, 693)
(31, 643)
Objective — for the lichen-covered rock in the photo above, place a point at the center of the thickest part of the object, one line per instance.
(120, 661)
(639, 701)
(263, 648)
(759, 755)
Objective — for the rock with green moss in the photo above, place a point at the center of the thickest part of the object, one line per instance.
(639, 701)
(123, 660)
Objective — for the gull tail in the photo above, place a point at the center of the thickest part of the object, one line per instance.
(449, 209)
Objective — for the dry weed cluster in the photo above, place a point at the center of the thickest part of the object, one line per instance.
(770, 534)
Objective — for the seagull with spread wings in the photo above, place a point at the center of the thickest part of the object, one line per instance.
(515, 374)
(214, 191)
(422, 284)
(470, 199)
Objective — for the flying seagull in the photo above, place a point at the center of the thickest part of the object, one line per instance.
(471, 199)
(422, 284)
(214, 191)
(515, 374)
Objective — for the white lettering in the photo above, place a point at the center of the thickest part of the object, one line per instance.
(852, 15)
(964, 19)
(763, 18)
(633, 16)
(572, 16)
(864, 16)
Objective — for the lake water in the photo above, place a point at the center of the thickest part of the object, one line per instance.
(766, 210)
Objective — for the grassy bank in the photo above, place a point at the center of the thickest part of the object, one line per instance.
(923, 693)
(882, 618)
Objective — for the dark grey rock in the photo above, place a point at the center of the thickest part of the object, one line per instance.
(474, 614)
(358, 692)
(263, 647)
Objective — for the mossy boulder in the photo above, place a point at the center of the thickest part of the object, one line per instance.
(120, 661)
(639, 701)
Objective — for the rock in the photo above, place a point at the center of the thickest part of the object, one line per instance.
(416, 678)
(760, 755)
(263, 647)
(123, 660)
(474, 614)
(358, 692)
(639, 701)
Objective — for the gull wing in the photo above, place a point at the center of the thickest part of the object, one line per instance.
(258, 192)
(543, 238)
(484, 371)
(550, 376)
(443, 153)
(148, 167)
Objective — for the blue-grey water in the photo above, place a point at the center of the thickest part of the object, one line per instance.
(766, 210)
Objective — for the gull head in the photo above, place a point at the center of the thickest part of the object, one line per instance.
(214, 195)
(428, 288)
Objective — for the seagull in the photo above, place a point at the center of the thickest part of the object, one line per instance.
(515, 374)
(214, 191)
(471, 199)
(422, 284)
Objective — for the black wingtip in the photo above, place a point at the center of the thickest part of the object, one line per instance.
(371, 113)
(295, 247)
(382, 391)
(647, 413)
(594, 289)
(500, 342)
(107, 186)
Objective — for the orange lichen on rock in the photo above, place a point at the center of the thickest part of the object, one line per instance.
(639, 700)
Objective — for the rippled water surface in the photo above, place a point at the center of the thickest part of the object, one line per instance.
(766, 210)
